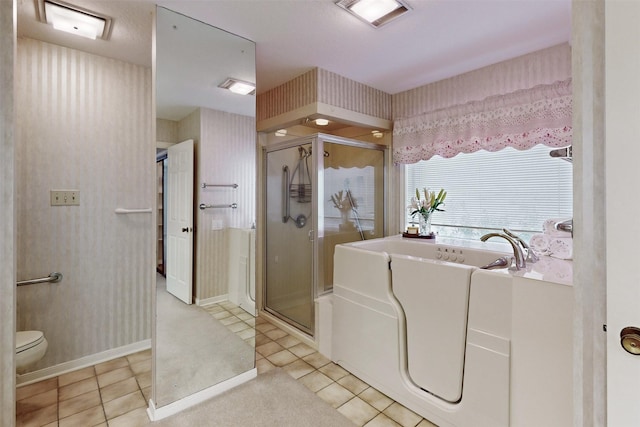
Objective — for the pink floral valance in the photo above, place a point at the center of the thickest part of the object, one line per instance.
(521, 119)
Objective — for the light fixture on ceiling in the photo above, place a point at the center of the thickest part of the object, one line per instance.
(238, 86)
(322, 122)
(74, 20)
(377, 134)
(281, 132)
(375, 12)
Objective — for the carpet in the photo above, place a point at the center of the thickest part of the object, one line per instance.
(272, 399)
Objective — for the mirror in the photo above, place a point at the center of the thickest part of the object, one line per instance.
(199, 345)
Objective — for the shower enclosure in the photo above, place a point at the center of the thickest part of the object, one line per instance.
(321, 190)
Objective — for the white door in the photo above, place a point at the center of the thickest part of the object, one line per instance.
(622, 90)
(179, 190)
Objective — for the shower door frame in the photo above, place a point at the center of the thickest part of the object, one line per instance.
(316, 141)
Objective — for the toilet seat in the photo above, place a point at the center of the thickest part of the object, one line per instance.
(28, 339)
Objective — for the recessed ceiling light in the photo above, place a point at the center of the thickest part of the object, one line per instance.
(375, 12)
(281, 132)
(377, 133)
(74, 20)
(238, 86)
(322, 122)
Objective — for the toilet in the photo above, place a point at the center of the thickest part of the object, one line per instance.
(30, 348)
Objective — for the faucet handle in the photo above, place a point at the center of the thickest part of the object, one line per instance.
(531, 256)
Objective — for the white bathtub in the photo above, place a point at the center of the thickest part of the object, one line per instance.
(450, 341)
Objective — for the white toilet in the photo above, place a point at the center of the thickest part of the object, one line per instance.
(30, 348)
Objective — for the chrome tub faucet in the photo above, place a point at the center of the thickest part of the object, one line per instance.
(517, 250)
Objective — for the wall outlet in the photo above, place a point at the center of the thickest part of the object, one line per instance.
(65, 197)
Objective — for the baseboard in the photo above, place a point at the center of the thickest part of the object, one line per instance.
(83, 362)
(212, 300)
(173, 408)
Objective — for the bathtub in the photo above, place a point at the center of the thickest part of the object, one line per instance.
(459, 345)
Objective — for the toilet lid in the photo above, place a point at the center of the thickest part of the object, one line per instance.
(27, 339)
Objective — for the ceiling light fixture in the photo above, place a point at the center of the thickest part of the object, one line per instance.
(238, 86)
(74, 20)
(281, 132)
(322, 122)
(375, 12)
(377, 133)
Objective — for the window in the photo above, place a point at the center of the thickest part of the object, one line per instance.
(488, 191)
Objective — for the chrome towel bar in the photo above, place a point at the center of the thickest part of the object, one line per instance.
(205, 185)
(232, 206)
(132, 211)
(53, 278)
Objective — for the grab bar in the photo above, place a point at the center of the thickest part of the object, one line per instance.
(205, 185)
(232, 206)
(285, 194)
(132, 211)
(53, 278)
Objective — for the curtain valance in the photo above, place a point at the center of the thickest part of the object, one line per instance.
(521, 119)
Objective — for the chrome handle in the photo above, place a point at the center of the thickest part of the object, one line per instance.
(53, 278)
(285, 194)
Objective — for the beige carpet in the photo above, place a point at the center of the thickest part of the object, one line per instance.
(273, 399)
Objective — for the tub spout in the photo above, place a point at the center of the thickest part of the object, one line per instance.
(517, 250)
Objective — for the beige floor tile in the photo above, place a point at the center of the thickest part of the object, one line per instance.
(358, 411)
(353, 384)
(263, 365)
(236, 311)
(262, 339)
(90, 417)
(288, 341)
(221, 315)
(111, 365)
(248, 333)
(146, 392)
(274, 334)
(229, 320)
(302, 350)
(121, 388)
(37, 402)
(403, 416)
(298, 368)
(141, 367)
(77, 388)
(251, 322)
(139, 356)
(136, 418)
(316, 360)
(244, 316)
(335, 395)
(144, 379)
(426, 423)
(381, 420)
(114, 376)
(237, 327)
(282, 358)
(55, 424)
(36, 388)
(124, 404)
(38, 418)
(251, 341)
(213, 308)
(75, 376)
(265, 327)
(269, 348)
(77, 404)
(376, 399)
(315, 381)
(333, 371)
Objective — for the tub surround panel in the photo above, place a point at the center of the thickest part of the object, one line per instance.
(84, 124)
(542, 67)
(7, 214)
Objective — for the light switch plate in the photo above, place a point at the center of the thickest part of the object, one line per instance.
(65, 198)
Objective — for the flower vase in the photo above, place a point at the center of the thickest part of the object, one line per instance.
(345, 216)
(424, 225)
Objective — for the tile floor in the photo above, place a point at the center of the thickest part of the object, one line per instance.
(115, 393)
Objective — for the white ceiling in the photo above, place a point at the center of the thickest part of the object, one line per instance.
(436, 40)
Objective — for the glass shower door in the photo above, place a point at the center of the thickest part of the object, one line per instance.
(352, 206)
(289, 245)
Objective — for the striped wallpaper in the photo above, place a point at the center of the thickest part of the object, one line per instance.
(541, 67)
(84, 123)
(318, 85)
